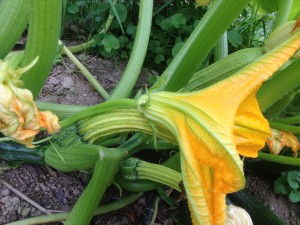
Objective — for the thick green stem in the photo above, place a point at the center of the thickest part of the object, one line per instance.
(117, 121)
(279, 159)
(279, 85)
(97, 109)
(104, 172)
(137, 56)
(159, 174)
(61, 110)
(43, 34)
(62, 216)
(136, 169)
(284, 8)
(196, 48)
(221, 48)
(284, 127)
(13, 20)
(289, 120)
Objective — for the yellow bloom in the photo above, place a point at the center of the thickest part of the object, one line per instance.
(213, 126)
(19, 117)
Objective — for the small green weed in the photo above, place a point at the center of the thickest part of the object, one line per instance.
(289, 184)
(173, 21)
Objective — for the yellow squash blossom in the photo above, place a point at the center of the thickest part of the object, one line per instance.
(213, 127)
(19, 117)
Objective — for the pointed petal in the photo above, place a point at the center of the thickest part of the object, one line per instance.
(251, 129)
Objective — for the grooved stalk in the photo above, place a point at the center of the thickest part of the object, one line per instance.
(196, 48)
(42, 41)
(13, 20)
(137, 56)
(105, 169)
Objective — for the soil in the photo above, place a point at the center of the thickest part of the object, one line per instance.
(55, 191)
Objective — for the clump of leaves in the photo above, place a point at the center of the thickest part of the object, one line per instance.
(173, 22)
(171, 26)
(289, 184)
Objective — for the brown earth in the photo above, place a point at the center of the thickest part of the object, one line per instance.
(55, 191)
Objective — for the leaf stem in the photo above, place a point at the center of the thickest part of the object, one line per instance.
(137, 56)
(86, 73)
(284, 8)
(97, 109)
(279, 159)
(104, 172)
(285, 127)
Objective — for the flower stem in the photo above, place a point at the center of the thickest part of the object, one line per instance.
(97, 109)
(279, 159)
(284, 8)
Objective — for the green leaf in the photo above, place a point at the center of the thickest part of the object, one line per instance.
(234, 38)
(159, 58)
(110, 42)
(293, 179)
(131, 29)
(159, 19)
(80, 3)
(294, 196)
(178, 20)
(186, 12)
(73, 9)
(121, 10)
(123, 40)
(177, 48)
(166, 24)
(159, 50)
(281, 186)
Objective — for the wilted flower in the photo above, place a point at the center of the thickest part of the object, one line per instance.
(281, 139)
(19, 117)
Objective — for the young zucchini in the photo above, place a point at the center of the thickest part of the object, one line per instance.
(260, 215)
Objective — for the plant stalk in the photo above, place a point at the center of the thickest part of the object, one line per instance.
(201, 41)
(137, 56)
(284, 8)
(105, 169)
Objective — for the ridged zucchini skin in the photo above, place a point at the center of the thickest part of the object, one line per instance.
(78, 157)
(13, 21)
(16, 152)
(260, 215)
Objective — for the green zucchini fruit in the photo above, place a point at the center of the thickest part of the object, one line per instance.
(260, 215)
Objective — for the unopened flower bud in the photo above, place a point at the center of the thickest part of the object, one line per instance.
(237, 216)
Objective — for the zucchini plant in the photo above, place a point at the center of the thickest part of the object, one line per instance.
(209, 117)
